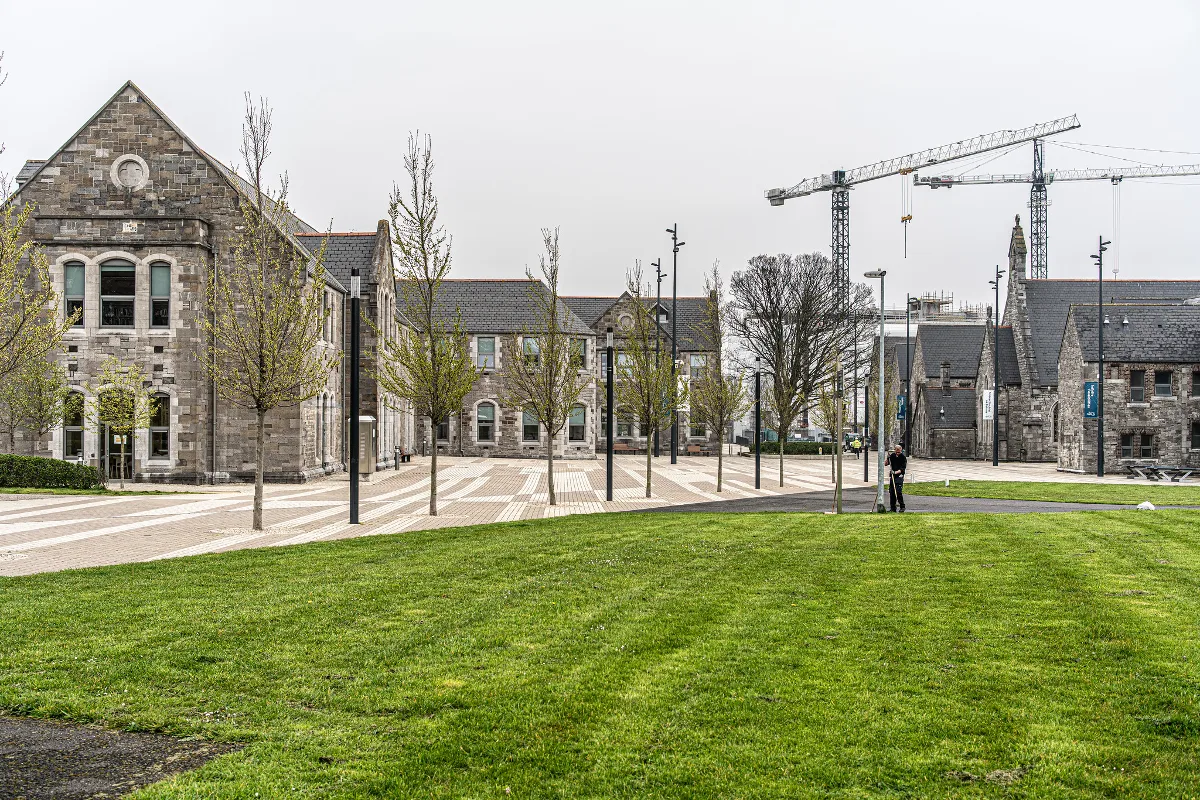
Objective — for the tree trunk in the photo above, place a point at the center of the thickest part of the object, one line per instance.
(433, 479)
(122, 470)
(647, 466)
(781, 444)
(260, 435)
(550, 468)
(720, 455)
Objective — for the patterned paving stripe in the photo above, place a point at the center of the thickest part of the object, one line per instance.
(109, 501)
(393, 526)
(512, 512)
(75, 537)
(23, 527)
(189, 508)
(466, 490)
(211, 546)
(421, 485)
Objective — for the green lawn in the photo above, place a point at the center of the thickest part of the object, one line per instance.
(657, 655)
(1131, 493)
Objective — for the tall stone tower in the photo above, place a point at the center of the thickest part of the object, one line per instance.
(1017, 251)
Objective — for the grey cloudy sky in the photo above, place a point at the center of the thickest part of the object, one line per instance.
(614, 120)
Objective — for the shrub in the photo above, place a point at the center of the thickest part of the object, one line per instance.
(798, 448)
(35, 472)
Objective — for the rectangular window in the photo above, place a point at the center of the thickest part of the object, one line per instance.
(1196, 383)
(486, 415)
(580, 352)
(529, 427)
(1162, 383)
(697, 431)
(577, 424)
(604, 423)
(604, 365)
(1196, 434)
(73, 283)
(1126, 445)
(698, 364)
(486, 351)
(1137, 385)
(116, 295)
(624, 427)
(1147, 449)
(160, 295)
(532, 350)
(160, 427)
(443, 429)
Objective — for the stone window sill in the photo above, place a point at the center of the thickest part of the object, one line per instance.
(1137, 405)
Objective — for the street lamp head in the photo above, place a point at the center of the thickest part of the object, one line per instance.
(610, 336)
(875, 273)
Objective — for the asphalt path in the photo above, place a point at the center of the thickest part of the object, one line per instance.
(863, 500)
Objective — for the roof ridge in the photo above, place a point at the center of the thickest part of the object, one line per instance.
(338, 233)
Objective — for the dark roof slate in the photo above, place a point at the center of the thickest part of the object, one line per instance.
(689, 321)
(960, 344)
(954, 411)
(1047, 303)
(894, 348)
(344, 250)
(499, 306)
(590, 309)
(1153, 334)
(1006, 347)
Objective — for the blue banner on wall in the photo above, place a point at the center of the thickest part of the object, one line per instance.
(1091, 399)
(901, 406)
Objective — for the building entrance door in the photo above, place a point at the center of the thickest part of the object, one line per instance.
(111, 444)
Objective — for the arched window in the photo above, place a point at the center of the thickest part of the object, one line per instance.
(160, 427)
(73, 426)
(117, 288)
(485, 417)
(577, 424)
(1054, 422)
(73, 290)
(160, 294)
(321, 431)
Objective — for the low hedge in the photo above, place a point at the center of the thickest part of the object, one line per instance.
(799, 448)
(35, 472)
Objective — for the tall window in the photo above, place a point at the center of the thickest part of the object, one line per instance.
(697, 431)
(624, 427)
(532, 351)
(1054, 421)
(321, 430)
(530, 428)
(117, 284)
(604, 423)
(1196, 434)
(1137, 385)
(699, 363)
(73, 283)
(443, 429)
(1126, 445)
(486, 420)
(1147, 446)
(487, 351)
(577, 424)
(1196, 383)
(1162, 383)
(604, 365)
(73, 427)
(160, 427)
(160, 295)
(579, 350)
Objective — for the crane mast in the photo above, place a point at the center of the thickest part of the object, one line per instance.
(840, 182)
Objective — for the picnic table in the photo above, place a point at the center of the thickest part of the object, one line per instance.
(1158, 472)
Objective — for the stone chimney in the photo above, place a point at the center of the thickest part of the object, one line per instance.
(945, 377)
(1017, 252)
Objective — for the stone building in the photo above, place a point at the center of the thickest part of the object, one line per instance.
(1010, 388)
(1151, 386)
(135, 218)
(945, 373)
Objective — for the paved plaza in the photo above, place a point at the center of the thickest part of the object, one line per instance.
(48, 533)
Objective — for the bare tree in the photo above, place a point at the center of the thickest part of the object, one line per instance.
(267, 312)
(543, 373)
(718, 397)
(431, 366)
(646, 386)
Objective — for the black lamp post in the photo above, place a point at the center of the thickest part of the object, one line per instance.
(881, 400)
(355, 291)
(757, 423)
(1100, 372)
(612, 421)
(658, 328)
(996, 371)
(675, 245)
(908, 309)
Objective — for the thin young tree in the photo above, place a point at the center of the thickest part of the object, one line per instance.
(717, 397)
(119, 404)
(646, 386)
(431, 365)
(266, 309)
(36, 399)
(547, 377)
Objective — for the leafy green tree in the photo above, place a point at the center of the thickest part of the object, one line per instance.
(119, 403)
(35, 399)
(718, 397)
(430, 364)
(266, 311)
(548, 379)
(646, 387)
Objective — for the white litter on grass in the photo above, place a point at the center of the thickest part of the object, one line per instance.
(1145, 505)
(947, 482)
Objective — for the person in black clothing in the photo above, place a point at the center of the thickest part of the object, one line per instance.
(897, 463)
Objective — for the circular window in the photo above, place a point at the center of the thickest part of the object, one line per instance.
(130, 172)
(625, 322)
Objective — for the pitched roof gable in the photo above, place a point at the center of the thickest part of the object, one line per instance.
(499, 306)
(960, 344)
(1140, 333)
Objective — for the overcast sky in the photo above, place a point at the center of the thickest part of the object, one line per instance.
(615, 120)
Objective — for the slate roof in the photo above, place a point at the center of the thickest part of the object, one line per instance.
(344, 250)
(894, 347)
(1006, 347)
(590, 309)
(960, 344)
(1047, 303)
(689, 320)
(1154, 334)
(499, 306)
(959, 406)
(29, 170)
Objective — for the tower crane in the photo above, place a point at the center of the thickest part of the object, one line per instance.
(1038, 201)
(840, 182)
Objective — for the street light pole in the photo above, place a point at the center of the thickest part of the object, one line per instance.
(1100, 372)
(612, 419)
(757, 423)
(879, 401)
(996, 371)
(355, 292)
(657, 330)
(675, 245)
(907, 374)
